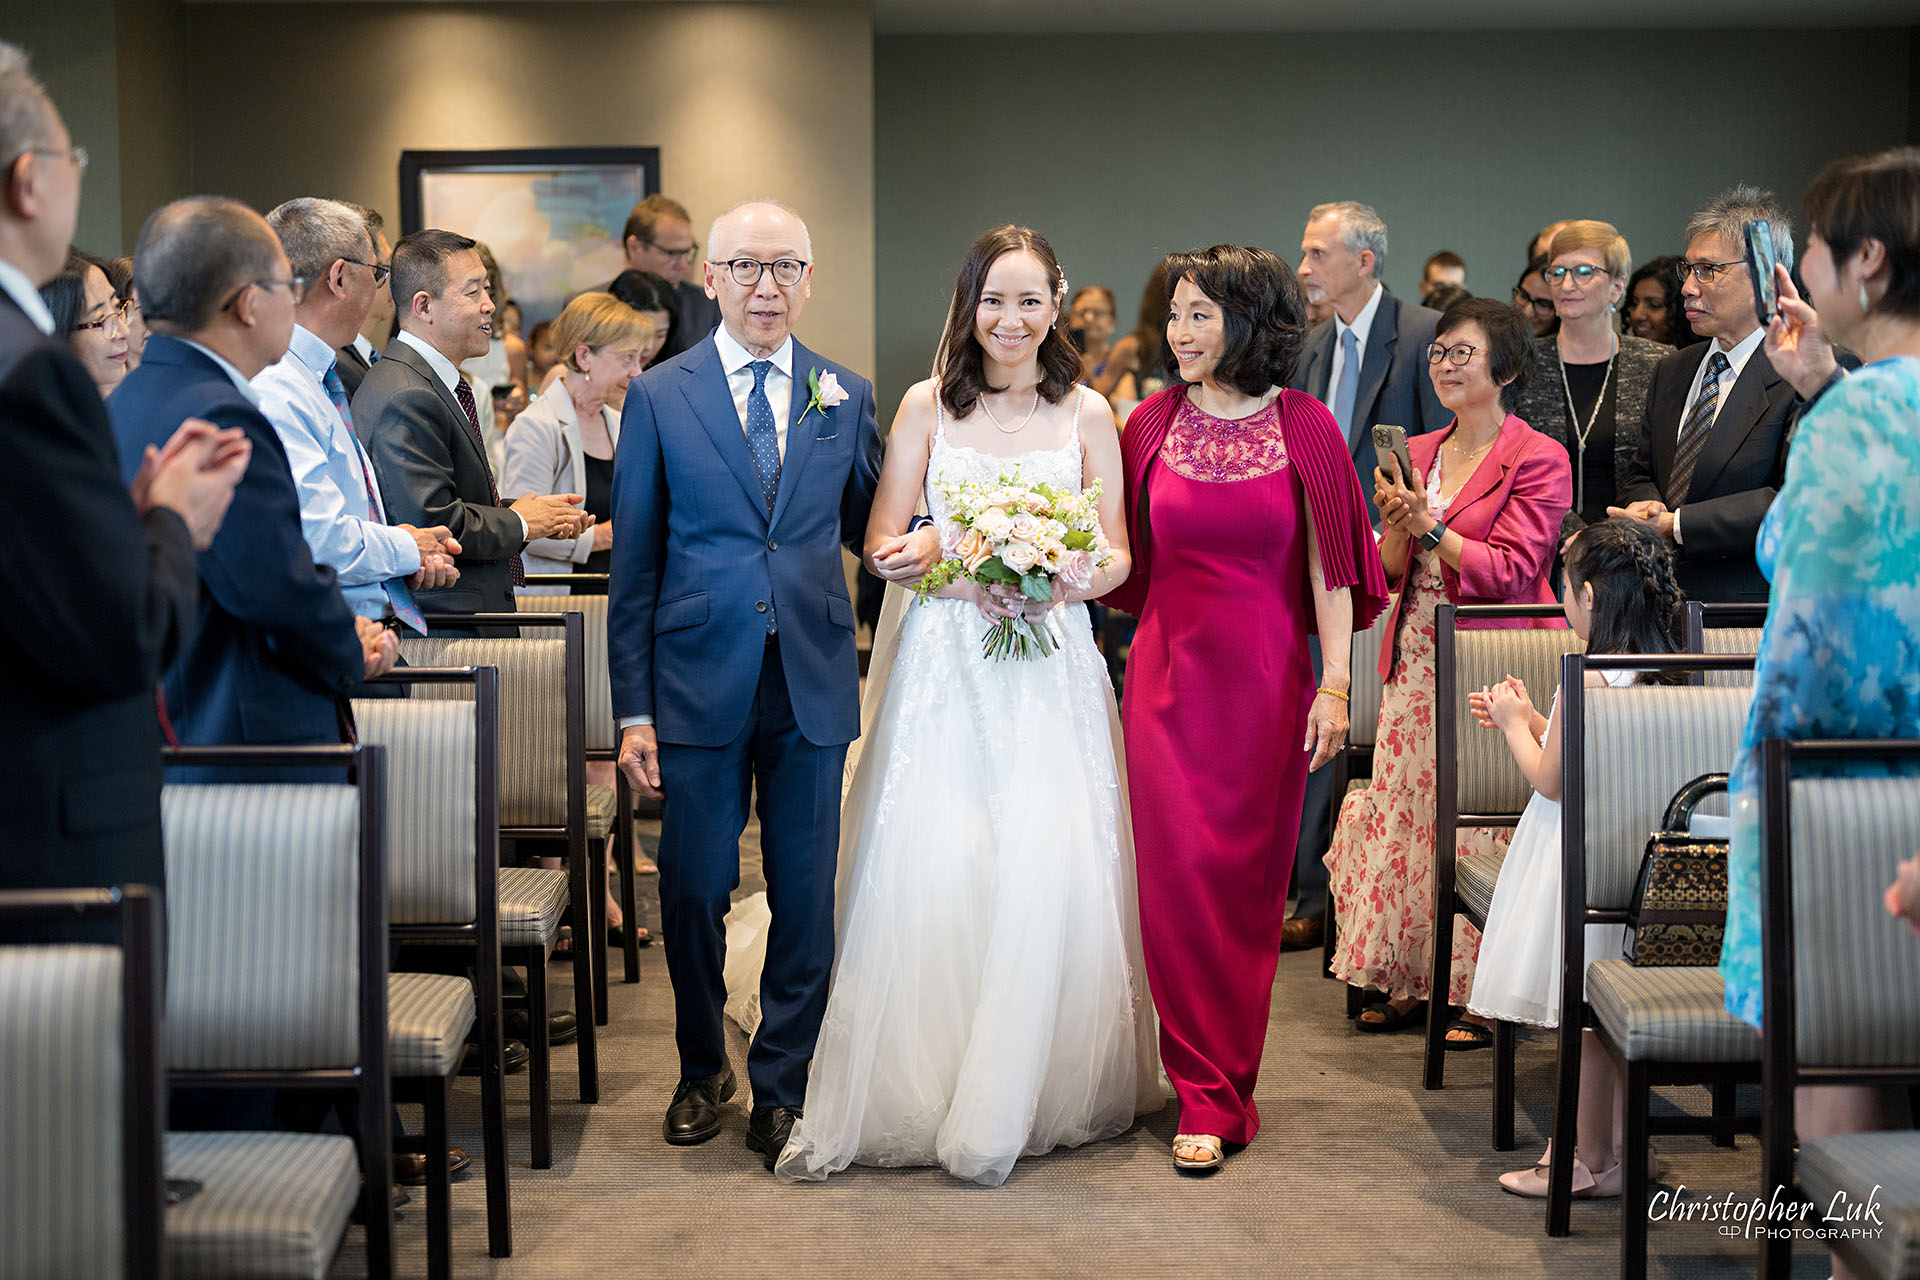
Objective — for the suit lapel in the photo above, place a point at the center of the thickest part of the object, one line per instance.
(1491, 472)
(1746, 405)
(1671, 411)
(406, 355)
(1382, 338)
(799, 438)
(705, 387)
(1319, 360)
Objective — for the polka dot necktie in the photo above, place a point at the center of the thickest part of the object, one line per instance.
(762, 440)
(464, 394)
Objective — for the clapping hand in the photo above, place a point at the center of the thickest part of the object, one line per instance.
(1503, 705)
(1903, 895)
(1795, 343)
(379, 647)
(438, 547)
(1648, 511)
(194, 476)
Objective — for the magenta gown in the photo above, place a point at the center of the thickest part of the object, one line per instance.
(1218, 686)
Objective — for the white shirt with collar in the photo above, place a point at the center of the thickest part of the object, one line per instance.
(736, 361)
(227, 367)
(1362, 326)
(365, 347)
(16, 285)
(1737, 356)
(449, 375)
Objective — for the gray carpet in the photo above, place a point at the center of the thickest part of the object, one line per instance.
(1358, 1172)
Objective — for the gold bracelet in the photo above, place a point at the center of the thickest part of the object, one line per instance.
(1335, 692)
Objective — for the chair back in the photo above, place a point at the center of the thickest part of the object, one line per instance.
(430, 746)
(80, 1188)
(1854, 968)
(1725, 628)
(1625, 752)
(601, 736)
(1486, 781)
(1731, 640)
(1363, 707)
(533, 718)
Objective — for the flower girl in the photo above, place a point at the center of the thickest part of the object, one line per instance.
(1620, 597)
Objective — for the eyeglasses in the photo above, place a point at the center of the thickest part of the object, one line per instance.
(1705, 272)
(677, 255)
(1090, 313)
(1584, 273)
(115, 313)
(747, 271)
(1436, 352)
(1526, 301)
(294, 285)
(380, 273)
(76, 154)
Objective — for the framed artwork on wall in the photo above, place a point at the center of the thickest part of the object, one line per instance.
(551, 215)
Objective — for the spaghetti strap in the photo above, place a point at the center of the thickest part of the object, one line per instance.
(939, 415)
(1079, 398)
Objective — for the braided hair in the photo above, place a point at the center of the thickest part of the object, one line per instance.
(1637, 605)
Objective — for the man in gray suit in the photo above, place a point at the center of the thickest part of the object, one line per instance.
(417, 418)
(1369, 365)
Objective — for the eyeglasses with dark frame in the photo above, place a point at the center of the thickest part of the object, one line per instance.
(676, 255)
(294, 284)
(746, 272)
(1705, 272)
(1583, 273)
(1539, 306)
(1458, 354)
(380, 273)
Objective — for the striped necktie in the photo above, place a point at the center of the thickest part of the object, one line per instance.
(464, 394)
(398, 596)
(1696, 429)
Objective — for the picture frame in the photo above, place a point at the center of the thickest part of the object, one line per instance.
(551, 216)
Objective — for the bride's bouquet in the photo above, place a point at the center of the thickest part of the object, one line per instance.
(1017, 537)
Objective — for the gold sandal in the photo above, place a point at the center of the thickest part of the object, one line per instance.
(1207, 1143)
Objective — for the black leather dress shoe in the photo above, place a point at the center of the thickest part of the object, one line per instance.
(410, 1167)
(768, 1129)
(514, 1056)
(562, 1027)
(694, 1114)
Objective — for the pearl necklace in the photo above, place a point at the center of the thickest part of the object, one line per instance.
(1009, 431)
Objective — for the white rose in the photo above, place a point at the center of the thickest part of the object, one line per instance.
(1019, 556)
(1027, 528)
(994, 524)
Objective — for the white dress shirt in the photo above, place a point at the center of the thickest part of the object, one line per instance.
(17, 286)
(334, 478)
(365, 347)
(1737, 357)
(227, 367)
(1362, 326)
(449, 376)
(736, 359)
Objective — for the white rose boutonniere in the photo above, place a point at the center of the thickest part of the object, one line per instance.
(827, 392)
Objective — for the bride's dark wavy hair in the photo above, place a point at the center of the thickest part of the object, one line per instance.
(1260, 305)
(960, 364)
(1638, 606)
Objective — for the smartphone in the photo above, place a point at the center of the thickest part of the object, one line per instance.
(1391, 443)
(1760, 260)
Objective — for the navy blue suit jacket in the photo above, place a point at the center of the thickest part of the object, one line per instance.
(276, 649)
(700, 568)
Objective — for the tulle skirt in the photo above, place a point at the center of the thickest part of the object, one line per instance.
(988, 999)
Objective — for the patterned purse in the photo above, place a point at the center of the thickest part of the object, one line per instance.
(1679, 907)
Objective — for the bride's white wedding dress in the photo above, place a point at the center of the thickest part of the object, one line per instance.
(988, 996)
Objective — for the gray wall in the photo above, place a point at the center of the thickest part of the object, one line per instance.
(1122, 148)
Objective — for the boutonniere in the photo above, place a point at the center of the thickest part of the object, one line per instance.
(827, 392)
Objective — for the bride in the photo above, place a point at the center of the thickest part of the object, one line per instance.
(988, 1000)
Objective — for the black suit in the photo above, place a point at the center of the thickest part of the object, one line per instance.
(699, 316)
(1394, 390)
(433, 472)
(91, 623)
(1739, 471)
(352, 367)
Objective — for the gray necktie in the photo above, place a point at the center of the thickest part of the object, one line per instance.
(1695, 430)
(1349, 388)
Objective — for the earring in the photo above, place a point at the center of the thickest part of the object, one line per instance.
(1865, 305)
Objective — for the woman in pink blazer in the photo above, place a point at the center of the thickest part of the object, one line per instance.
(1476, 523)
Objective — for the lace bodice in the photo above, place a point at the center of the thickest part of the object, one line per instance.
(957, 463)
(1202, 447)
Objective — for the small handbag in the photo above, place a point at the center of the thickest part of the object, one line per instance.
(1679, 910)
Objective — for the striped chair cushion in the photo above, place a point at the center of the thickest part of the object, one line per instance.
(1488, 780)
(533, 716)
(271, 1205)
(1856, 969)
(603, 806)
(1730, 640)
(1473, 879)
(1644, 742)
(593, 618)
(1882, 1169)
(60, 1112)
(531, 900)
(428, 1017)
(1363, 707)
(430, 805)
(1668, 1015)
(262, 927)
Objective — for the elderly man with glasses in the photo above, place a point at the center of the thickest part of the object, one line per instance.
(1713, 442)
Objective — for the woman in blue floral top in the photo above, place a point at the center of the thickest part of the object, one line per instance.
(1841, 654)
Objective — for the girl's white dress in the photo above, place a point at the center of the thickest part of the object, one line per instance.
(1518, 978)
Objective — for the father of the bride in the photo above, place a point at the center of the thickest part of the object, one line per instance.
(744, 464)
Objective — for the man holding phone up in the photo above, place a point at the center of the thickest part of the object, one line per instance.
(1713, 445)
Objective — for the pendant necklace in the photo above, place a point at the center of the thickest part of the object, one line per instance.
(1581, 433)
(1010, 431)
